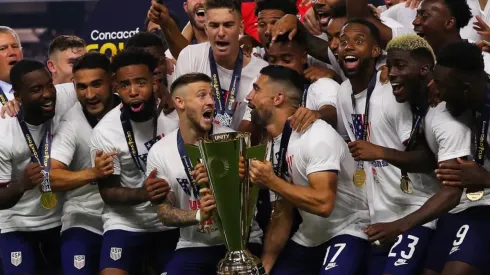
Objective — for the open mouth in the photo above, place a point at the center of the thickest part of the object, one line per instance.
(397, 88)
(208, 115)
(351, 62)
(200, 13)
(48, 106)
(420, 33)
(92, 104)
(323, 17)
(222, 45)
(136, 106)
(12, 63)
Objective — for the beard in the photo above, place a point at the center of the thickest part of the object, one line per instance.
(192, 17)
(148, 111)
(260, 120)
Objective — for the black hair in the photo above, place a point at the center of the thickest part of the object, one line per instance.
(372, 28)
(423, 54)
(22, 68)
(133, 56)
(460, 10)
(143, 40)
(92, 60)
(462, 56)
(299, 39)
(64, 42)
(189, 78)
(339, 10)
(285, 76)
(232, 5)
(288, 7)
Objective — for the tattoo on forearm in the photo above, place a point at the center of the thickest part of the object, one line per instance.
(114, 194)
(175, 217)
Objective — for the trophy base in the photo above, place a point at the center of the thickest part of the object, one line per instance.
(240, 263)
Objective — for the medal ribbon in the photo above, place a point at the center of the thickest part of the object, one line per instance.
(418, 115)
(130, 139)
(3, 97)
(480, 135)
(305, 94)
(188, 164)
(227, 107)
(365, 122)
(41, 155)
(281, 168)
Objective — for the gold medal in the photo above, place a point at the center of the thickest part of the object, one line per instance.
(359, 177)
(406, 185)
(475, 196)
(49, 200)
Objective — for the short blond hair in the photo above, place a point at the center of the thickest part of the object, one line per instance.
(410, 42)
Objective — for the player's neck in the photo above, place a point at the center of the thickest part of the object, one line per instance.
(113, 101)
(5, 79)
(361, 81)
(189, 133)
(228, 62)
(200, 35)
(34, 119)
(277, 121)
(448, 39)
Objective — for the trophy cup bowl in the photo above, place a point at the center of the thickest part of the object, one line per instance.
(235, 199)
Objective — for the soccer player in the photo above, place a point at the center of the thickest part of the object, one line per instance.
(71, 168)
(30, 219)
(311, 171)
(462, 240)
(222, 59)
(132, 231)
(10, 53)
(371, 115)
(63, 52)
(198, 251)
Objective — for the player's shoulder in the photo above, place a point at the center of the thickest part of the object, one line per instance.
(110, 121)
(219, 129)
(167, 142)
(257, 62)
(196, 51)
(74, 114)
(325, 83)
(440, 115)
(321, 130)
(9, 126)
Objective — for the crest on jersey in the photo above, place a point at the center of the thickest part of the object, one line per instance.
(16, 258)
(79, 261)
(116, 253)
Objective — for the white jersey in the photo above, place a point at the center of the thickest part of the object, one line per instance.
(7, 90)
(320, 148)
(109, 136)
(390, 124)
(71, 146)
(28, 214)
(195, 58)
(402, 14)
(166, 158)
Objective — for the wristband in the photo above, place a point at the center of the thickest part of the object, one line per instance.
(198, 215)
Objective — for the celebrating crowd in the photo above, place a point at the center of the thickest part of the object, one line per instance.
(375, 121)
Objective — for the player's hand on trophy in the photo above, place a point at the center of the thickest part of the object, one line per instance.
(11, 108)
(384, 233)
(302, 119)
(156, 188)
(200, 175)
(261, 172)
(159, 14)
(242, 168)
(287, 24)
(33, 176)
(464, 173)
(363, 150)
(208, 204)
(104, 164)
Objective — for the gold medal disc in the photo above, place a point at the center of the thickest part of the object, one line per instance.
(49, 200)
(359, 178)
(475, 196)
(406, 185)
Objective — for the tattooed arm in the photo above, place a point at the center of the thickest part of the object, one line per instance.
(113, 193)
(173, 216)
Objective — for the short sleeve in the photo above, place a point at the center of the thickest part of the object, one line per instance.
(5, 163)
(153, 161)
(66, 97)
(321, 151)
(183, 64)
(65, 142)
(398, 115)
(323, 92)
(453, 137)
(99, 141)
